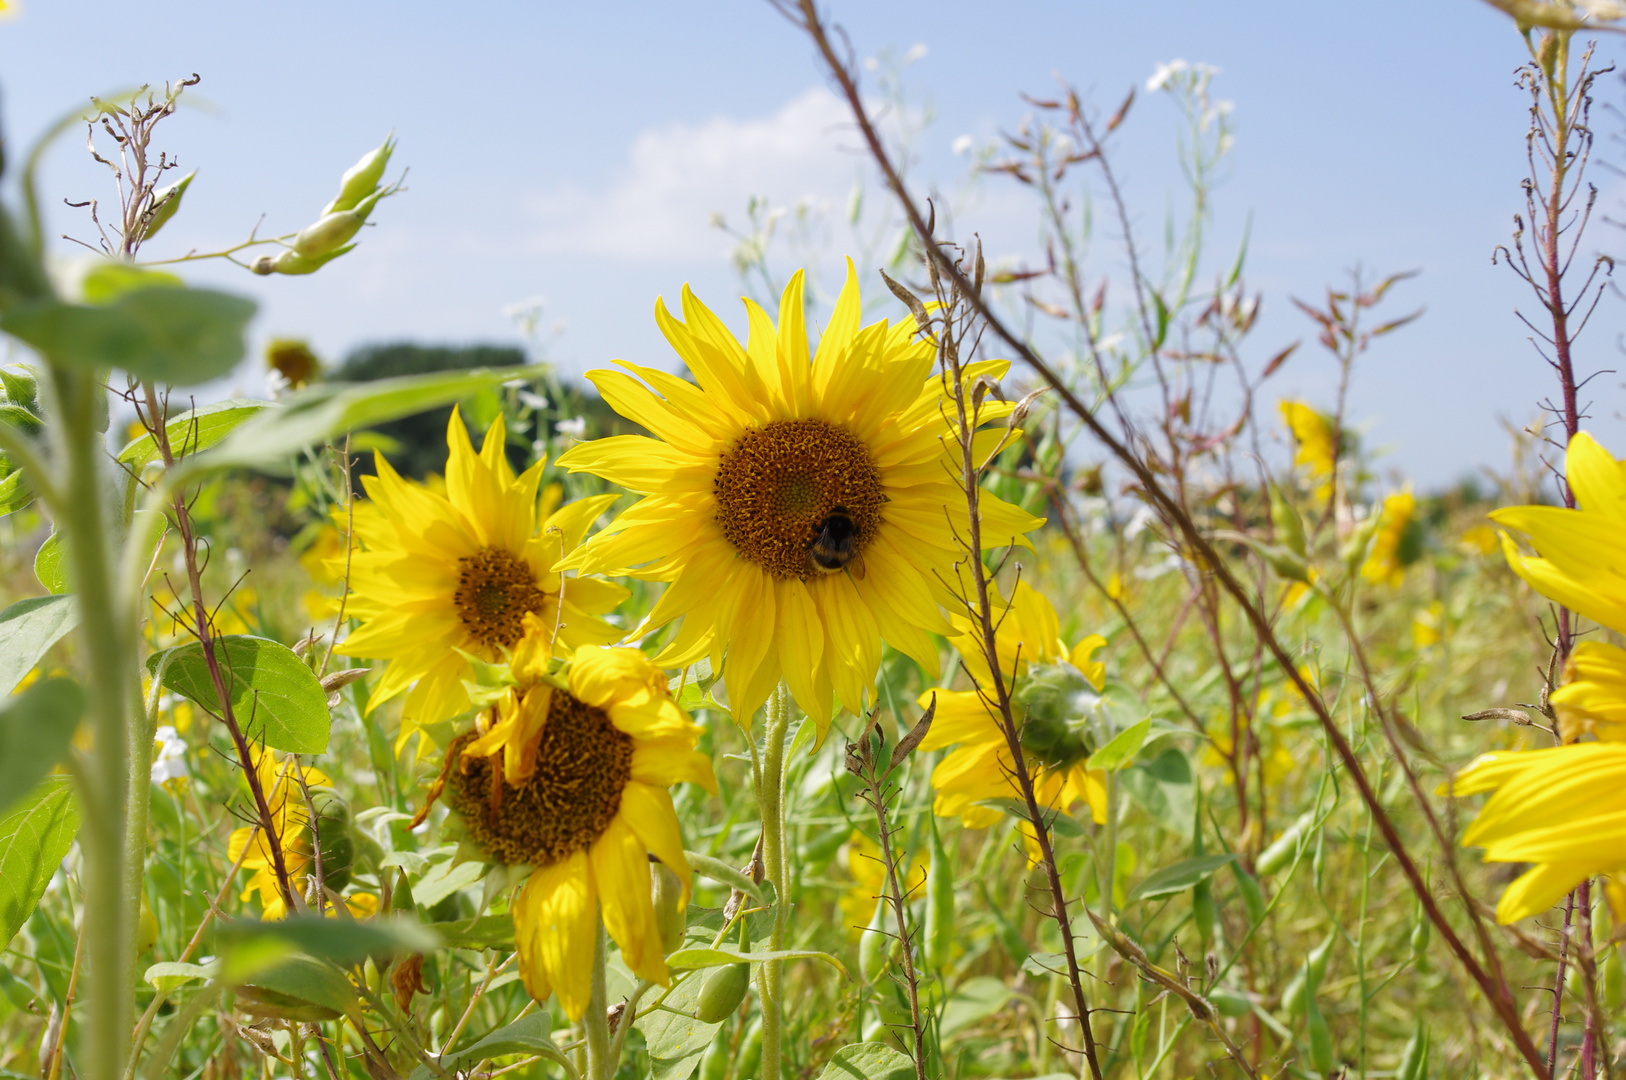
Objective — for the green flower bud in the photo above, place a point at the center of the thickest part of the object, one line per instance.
(1054, 698)
(670, 915)
(146, 929)
(334, 230)
(333, 835)
(292, 262)
(1419, 940)
(166, 202)
(362, 178)
(722, 993)
(1289, 528)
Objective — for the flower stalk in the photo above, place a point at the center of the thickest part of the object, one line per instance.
(771, 806)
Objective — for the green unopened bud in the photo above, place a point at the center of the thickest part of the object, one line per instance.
(146, 929)
(362, 178)
(1286, 563)
(401, 902)
(722, 993)
(1289, 526)
(1353, 553)
(291, 262)
(338, 847)
(166, 202)
(1419, 940)
(334, 230)
(670, 916)
(1055, 698)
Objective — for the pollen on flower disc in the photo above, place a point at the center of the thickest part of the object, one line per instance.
(582, 764)
(776, 485)
(494, 591)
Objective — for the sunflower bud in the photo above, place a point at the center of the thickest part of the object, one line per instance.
(670, 915)
(333, 836)
(360, 180)
(333, 231)
(165, 203)
(1055, 698)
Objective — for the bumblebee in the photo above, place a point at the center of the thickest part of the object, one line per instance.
(835, 546)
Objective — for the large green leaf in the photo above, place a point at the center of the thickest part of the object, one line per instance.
(1180, 877)
(322, 411)
(36, 728)
(193, 431)
(274, 696)
(485, 932)
(178, 336)
(527, 1035)
(34, 837)
(673, 1037)
(249, 945)
(1164, 787)
(14, 493)
(297, 988)
(1123, 747)
(972, 1001)
(868, 1061)
(28, 629)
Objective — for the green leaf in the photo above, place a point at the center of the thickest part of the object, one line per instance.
(36, 728)
(342, 941)
(168, 975)
(685, 959)
(974, 1000)
(297, 988)
(485, 932)
(51, 564)
(868, 1061)
(192, 432)
(527, 1035)
(1123, 747)
(274, 696)
(1180, 877)
(673, 1037)
(719, 871)
(178, 336)
(34, 838)
(1163, 786)
(20, 418)
(14, 493)
(20, 386)
(324, 410)
(28, 629)
(109, 279)
(444, 878)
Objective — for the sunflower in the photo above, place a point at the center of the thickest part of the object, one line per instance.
(571, 779)
(1581, 564)
(289, 816)
(1562, 808)
(1397, 542)
(1317, 446)
(1592, 700)
(440, 577)
(803, 510)
(1032, 657)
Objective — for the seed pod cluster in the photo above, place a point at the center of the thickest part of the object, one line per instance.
(330, 236)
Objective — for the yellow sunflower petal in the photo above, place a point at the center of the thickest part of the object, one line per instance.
(621, 871)
(555, 922)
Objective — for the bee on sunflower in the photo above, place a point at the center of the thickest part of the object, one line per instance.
(1051, 686)
(802, 507)
(443, 576)
(567, 773)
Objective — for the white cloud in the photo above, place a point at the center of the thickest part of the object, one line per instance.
(659, 205)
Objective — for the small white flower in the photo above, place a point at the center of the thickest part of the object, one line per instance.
(532, 400)
(962, 145)
(575, 427)
(1163, 73)
(169, 755)
(916, 52)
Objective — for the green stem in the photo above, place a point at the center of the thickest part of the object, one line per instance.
(771, 804)
(113, 836)
(595, 1021)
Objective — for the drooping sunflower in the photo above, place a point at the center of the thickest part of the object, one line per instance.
(1562, 808)
(438, 576)
(803, 509)
(1582, 562)
(572, 781)
(289, 818)
(1046, 677)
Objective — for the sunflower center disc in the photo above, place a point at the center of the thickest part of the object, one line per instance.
(778, 483)
(494, 591)
(582, 764)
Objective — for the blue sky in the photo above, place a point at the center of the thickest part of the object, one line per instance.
(577, 151)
